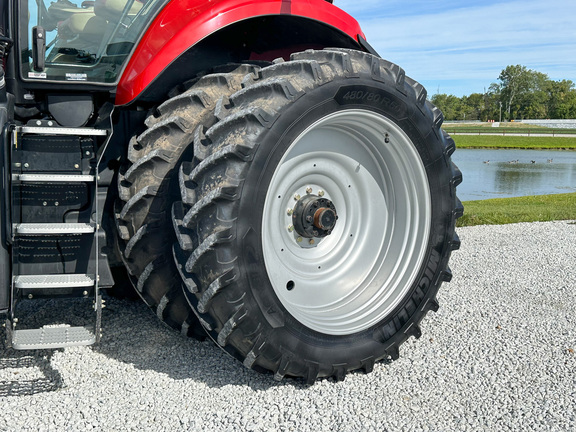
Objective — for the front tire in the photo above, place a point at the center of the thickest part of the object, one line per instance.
(316, 229)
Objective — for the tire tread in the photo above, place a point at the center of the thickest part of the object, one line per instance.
(146, 184)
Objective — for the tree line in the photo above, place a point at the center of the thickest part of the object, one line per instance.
(520, 93)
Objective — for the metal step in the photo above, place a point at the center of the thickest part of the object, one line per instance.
(54, 178)
(53, 228)
(62, 131)
(53, 281)
(52, 337)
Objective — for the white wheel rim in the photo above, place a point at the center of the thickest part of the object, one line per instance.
(353, 278)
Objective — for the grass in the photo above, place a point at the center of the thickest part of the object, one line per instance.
(499, 211)
(514, 142)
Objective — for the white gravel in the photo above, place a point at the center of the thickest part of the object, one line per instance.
(498, 356)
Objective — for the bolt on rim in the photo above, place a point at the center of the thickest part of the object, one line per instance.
(370, 170)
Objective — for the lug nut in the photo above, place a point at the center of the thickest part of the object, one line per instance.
(291, 228)
(311, 241)
(320, 193)
(289, 212)
(296, 197)
(308, 190)
(299, 239)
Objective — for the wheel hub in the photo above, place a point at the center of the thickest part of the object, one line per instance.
(314, 216)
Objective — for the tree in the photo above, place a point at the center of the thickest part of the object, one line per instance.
(494, 102)
(450, 105)
(518, 84)
(561, 99)
(522, 92)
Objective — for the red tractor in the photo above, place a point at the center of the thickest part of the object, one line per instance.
(254, 168)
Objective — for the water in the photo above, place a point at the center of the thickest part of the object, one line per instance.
(512, 173)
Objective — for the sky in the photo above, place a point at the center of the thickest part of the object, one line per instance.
(460, 47)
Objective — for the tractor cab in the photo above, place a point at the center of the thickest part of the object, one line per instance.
(79, 41)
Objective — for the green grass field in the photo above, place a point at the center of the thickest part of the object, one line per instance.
(515, 142)
(499, 211)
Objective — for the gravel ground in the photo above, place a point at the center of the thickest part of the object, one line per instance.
(499, 355)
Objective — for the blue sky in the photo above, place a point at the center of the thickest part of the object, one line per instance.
(460, 47)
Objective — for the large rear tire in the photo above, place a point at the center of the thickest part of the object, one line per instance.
(148, 185)
(317, 222)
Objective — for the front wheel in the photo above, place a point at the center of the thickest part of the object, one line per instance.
(318, 225)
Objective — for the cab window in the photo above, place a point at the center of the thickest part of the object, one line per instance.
(81, 40)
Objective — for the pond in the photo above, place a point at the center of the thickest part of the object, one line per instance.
(490, 173)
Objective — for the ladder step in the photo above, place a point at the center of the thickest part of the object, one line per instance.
(54, 178)
(52, 337)
(53, 281)
(53, 228)
(63, 131)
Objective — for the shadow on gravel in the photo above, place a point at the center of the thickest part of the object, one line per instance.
(29, 372)
(24, 373)
(132, 334)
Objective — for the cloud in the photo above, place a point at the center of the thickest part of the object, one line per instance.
(469, 41)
